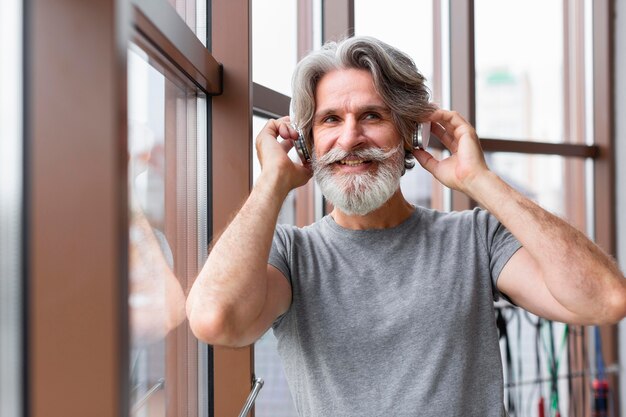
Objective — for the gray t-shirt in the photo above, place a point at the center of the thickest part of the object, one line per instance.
(394, 322)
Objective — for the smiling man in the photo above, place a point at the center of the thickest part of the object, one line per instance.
(382, 308)
(358, 158)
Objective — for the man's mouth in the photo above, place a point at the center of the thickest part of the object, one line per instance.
(353, 162)
(361, 158)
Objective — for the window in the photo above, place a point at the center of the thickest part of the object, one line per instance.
(535, 106)
(540, 100)
(170, 74)
(519, 72)
(70, 225)
(274, 400)
(11, 209)
(539, 349)
(167, 169)
(276, 49)
(407, 26)
(194, 13)
(274, 43)
(412, 32)
(80, 126)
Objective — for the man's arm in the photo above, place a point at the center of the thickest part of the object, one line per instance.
(558, 274)
(238, 295)
(156, 299)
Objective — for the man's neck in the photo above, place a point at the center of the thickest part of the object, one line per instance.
(392, 213)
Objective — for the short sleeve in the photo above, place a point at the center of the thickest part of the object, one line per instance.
(280, 254)
(499, 243)
(280, 251)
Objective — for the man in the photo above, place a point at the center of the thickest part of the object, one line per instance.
(382, 308)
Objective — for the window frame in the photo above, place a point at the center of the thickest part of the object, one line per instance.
(12, 283)
(71, 275)
(77, 318)
(454, 87)
(231, 154)
(600, 151)
(55, 368)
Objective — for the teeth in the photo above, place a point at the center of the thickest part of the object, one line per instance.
(352, 162)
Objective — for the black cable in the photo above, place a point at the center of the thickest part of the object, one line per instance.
(537, 387)
(585, 365)
(501, 324)
(520, 373)
(570, 388)
(554, 389)
(538, 325)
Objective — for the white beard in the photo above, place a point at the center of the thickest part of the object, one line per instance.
(360, 193)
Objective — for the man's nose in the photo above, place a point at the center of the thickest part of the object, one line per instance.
(351, 135)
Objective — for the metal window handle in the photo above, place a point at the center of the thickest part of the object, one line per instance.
(140, 403)
(256, 387)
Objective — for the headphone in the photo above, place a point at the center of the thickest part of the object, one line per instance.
(421, 136)
(300, 144)
(419, 140)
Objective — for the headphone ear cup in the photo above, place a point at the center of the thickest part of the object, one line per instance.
(425, 134)
(421, 135)
(301, 148)
(415, 140)
(300, 143)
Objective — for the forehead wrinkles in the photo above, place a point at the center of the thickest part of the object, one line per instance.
(346, 88)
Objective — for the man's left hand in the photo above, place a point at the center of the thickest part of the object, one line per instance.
(466, 161)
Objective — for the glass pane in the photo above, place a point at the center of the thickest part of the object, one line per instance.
(274, 400)
(558, 185)
(165, 153)
(407, 25)
(420, 188)
(274, 43)
(554, 182)
(519, 72)
(527, 377)
(288, 212)
(194, 13)
(11, 209)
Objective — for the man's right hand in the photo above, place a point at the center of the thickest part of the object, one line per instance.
(237, 295)
(276, 165)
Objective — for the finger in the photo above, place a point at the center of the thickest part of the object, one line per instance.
(452, 121)
(305, 170)
(444, 137)
(286, 145)
(286, 131)
(454, 124)
(426, 160)
(269, 130)
(447, 118)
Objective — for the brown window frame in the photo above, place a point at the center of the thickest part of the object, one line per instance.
(600, 152)
(338, 22)
(75, 114)
(76, 220)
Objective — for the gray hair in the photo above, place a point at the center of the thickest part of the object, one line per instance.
(396, 78)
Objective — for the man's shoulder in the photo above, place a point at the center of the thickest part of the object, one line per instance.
(435, 215)
(288, 231)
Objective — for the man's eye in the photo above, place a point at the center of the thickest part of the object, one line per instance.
(372, 116)
(329, 119)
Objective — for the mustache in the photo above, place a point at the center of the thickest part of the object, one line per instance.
(368, 154)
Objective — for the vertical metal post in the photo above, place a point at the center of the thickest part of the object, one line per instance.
(231, 174)
(76, 211)
(462, 73)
